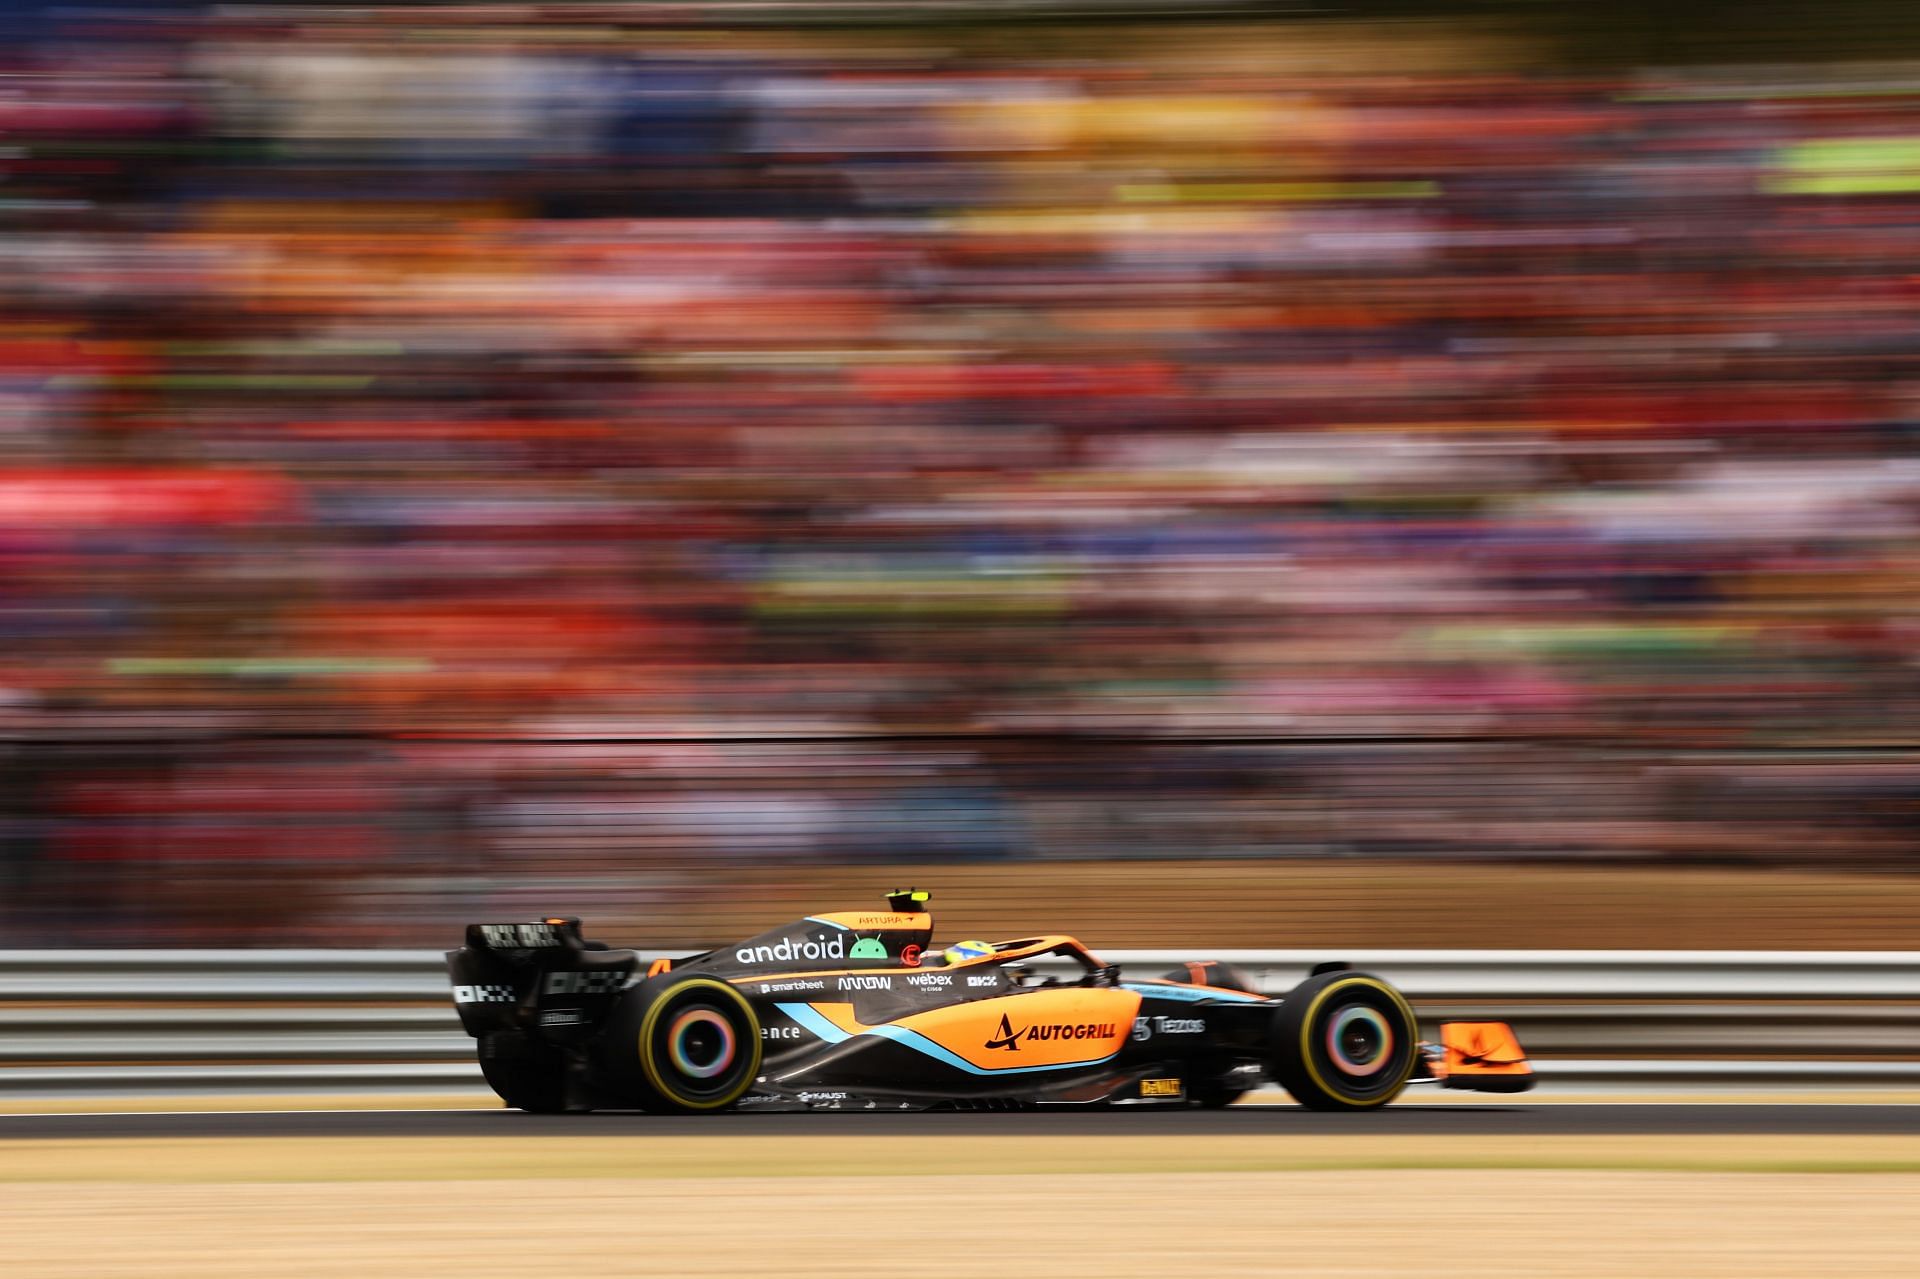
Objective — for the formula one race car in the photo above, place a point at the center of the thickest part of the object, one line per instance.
(854, 1010)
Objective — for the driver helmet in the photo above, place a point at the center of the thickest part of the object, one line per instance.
(961, 952)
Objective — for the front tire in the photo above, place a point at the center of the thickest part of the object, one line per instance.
(1344, 1041)
(682, 1045)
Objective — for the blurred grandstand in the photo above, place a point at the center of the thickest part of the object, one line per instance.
(593, 457)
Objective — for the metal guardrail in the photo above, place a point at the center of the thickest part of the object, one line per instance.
(162, 1021)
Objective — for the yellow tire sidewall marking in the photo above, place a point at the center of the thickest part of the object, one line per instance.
(1306, 1040)
(652, 1020)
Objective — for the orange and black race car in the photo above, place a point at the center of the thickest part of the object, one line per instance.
(856, 1010)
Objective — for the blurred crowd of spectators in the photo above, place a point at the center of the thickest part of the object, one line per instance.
(447, 448)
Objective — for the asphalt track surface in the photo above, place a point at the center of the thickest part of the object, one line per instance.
(1560, 1120)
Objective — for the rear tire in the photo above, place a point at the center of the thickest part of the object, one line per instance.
(1344, 1041)
(527, 1076)
(681, 1045)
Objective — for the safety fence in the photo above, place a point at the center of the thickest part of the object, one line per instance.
(374, 1021)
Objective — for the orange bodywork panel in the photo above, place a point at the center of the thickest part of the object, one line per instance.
(1039, 1028)
(842, 1016)
(871, 919)
(1481, 1048)
(1033, 1029)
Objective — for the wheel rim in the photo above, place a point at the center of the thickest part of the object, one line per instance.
(1359, 1041)
(701, 1043)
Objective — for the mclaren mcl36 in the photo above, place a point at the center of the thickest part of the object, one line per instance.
(856, 1010)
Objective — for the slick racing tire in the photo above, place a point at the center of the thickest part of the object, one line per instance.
(682, 1045)
(1343, 1041)
(527, 1076)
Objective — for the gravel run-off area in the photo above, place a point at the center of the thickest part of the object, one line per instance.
(951, 1207)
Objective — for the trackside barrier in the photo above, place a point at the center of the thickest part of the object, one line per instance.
(367, 1021)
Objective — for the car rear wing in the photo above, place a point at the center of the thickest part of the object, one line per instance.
(541, 978)
(555, 931)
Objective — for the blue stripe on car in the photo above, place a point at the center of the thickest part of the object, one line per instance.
(812, 1021)
(1190, 994)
